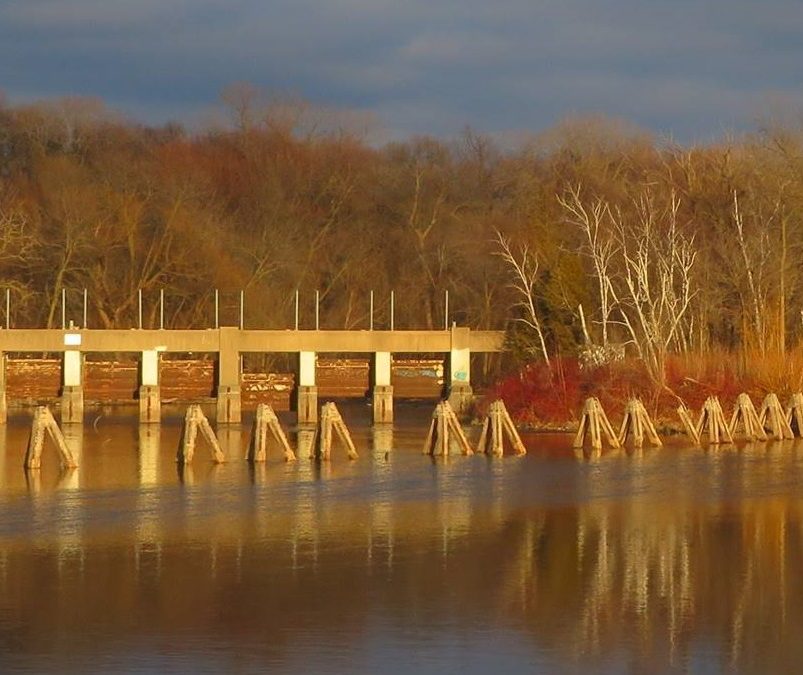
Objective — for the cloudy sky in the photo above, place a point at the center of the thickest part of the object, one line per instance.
(690, 69)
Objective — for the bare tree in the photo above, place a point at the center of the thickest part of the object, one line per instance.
(17, 248)
(600, 246)
(657, 286)
(757, 255)
(523, 267)
(245, 101)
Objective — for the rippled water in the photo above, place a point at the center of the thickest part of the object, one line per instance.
(671, 560)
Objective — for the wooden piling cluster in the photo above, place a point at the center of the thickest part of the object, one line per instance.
(638, 424)
(43, 425)
(712, 422)
(266, 423)
(331, 425)
(773, 417)
(746, 418)
(595, 425)
(794, 414)
(495, 428)
(771, 422)
(444, 427)
(195, 421)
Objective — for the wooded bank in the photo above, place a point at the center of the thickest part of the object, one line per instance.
(591, 239)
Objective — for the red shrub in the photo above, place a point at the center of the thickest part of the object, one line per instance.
(543, 397)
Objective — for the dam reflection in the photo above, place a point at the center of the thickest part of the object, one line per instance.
(656, 578)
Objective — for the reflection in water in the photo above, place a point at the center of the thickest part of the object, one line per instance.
(74, 438)
(383, 439)
(2, 454)
(149, 441)
(646, 562)
(305, 441)
(382, 451)
(185, 473)
(230, 439)
(33, 480)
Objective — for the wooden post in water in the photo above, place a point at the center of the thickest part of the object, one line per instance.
(637, 423)
(712, 420)
(497, 425)
(773, 416)
(445, 423)
(688, 425)
(264, 423)
(332, 423)
(594, 423)
(745, 415)
(794, 414)
(195, 420)
(44, 424)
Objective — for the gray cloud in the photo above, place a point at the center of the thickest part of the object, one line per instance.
(684, 68)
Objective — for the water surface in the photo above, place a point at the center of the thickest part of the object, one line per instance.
(670, 560)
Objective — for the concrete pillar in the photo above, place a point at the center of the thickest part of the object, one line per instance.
(461, 395)
(3, 401)
(72, 393)
(382, 389)
(150, 405)
(150, 411)
(228, 405)
(307, 404)
(228, 388)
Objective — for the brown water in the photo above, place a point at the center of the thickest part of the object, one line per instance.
(676, 560)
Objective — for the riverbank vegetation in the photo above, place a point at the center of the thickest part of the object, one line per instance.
(617, 261)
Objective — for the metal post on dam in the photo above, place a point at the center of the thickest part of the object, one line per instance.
(227, 344)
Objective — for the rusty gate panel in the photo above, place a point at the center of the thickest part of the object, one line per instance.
(193, 379)
(417, 378)
(275, 389)
(187, 379)
(342, 378)
(33, 379)
(110, 381)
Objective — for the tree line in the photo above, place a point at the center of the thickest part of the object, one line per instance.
(592, 238)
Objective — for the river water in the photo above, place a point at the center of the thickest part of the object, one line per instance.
(670, 560)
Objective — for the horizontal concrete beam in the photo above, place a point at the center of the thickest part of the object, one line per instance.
(50, 340)
(202, 341)
(486, 340)
(344, 341)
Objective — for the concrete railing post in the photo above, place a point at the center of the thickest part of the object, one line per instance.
(307, 403)
(382, 389)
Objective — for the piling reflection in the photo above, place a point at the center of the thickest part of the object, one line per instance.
(589, 581)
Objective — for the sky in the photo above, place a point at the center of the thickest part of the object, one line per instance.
(690, 70)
